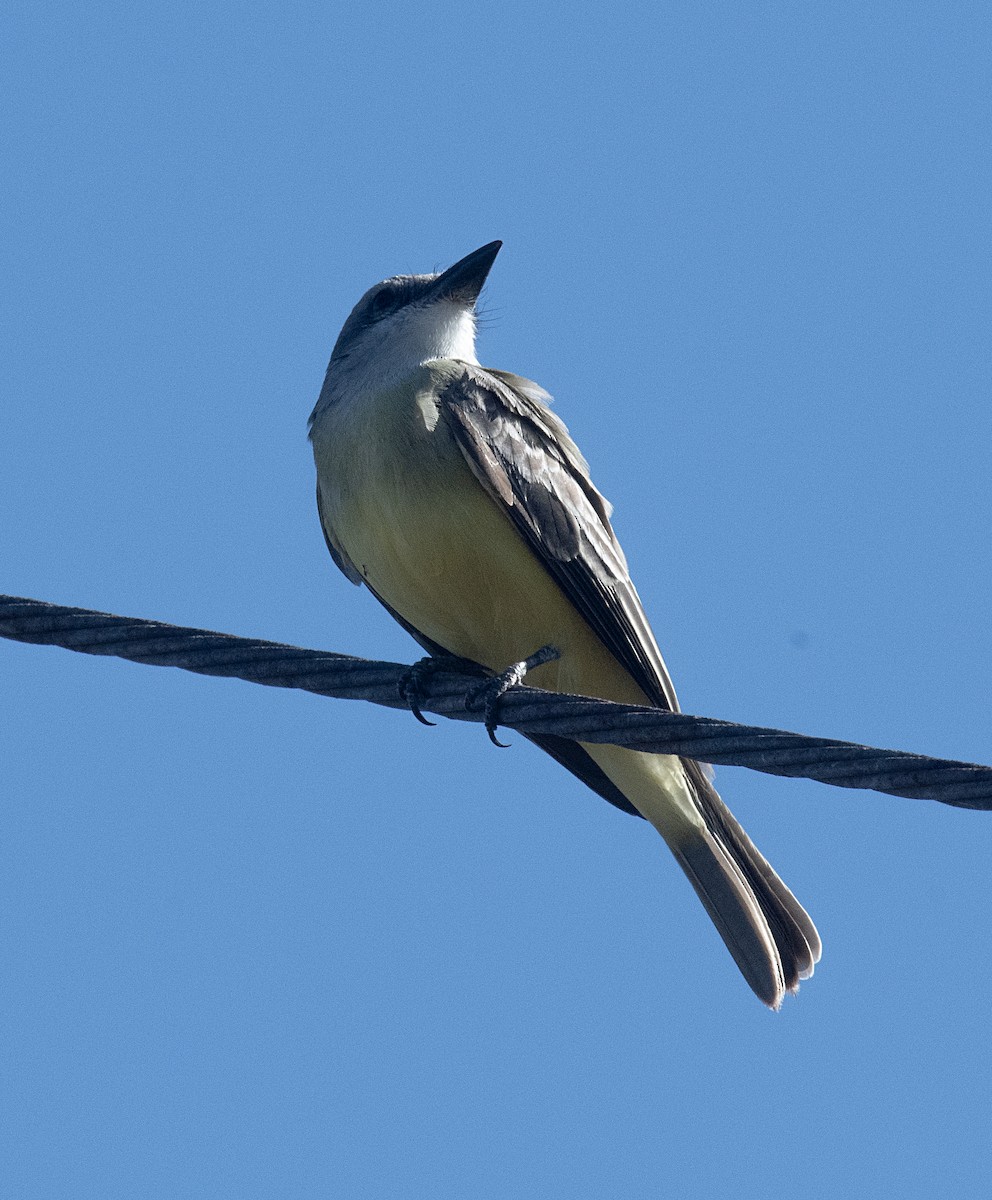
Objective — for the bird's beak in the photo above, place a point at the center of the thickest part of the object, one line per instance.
(463, 282)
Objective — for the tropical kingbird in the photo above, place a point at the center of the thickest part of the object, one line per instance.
(458, 498)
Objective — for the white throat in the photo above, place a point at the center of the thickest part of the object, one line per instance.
(385, 354)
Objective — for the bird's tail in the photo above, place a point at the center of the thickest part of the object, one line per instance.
(764, 926)
(766, 929)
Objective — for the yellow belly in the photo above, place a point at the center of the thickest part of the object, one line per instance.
(430, 541)
(419, 527)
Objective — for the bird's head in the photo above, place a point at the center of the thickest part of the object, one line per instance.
(412, 319)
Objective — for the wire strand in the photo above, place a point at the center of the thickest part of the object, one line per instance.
(528, 710)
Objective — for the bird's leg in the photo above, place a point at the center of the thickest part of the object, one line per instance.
(411, 683)
(493, 690)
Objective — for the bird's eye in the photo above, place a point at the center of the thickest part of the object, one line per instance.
(382, 303)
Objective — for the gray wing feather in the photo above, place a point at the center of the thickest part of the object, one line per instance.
(524, 457)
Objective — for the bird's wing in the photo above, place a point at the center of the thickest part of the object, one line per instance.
(523, 456)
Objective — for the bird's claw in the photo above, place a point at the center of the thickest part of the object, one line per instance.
(489, 694)
(411, 682)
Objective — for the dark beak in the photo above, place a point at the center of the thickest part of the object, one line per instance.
(463, 282)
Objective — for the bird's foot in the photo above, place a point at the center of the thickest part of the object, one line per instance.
(411, 683)
(488, 695)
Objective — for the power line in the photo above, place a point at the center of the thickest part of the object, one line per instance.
(528, 710)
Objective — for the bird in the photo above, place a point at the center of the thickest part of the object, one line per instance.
(457, 497)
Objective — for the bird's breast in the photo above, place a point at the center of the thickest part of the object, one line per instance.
(401, 501)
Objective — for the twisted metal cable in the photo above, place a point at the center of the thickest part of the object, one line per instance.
(528, 710)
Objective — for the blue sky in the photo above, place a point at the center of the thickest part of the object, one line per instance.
(255, 943)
